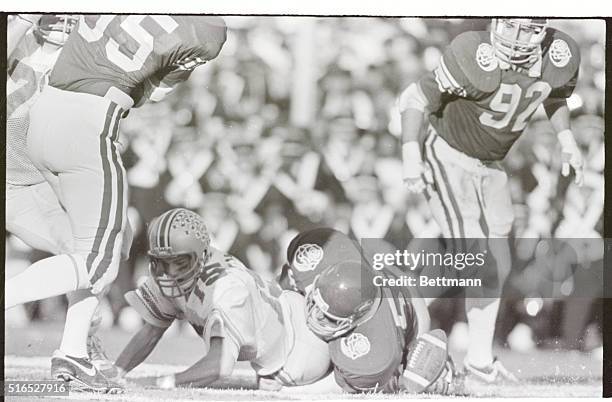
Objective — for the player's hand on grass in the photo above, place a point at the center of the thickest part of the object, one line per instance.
(119, 376)
(146, 382)
(163, 382)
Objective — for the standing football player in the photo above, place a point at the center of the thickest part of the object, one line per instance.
(373, 332)
(476, 104)
(238, 315)
(33, 211)
(109, 64)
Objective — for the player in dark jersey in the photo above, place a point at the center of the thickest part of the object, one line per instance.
(369, 351)
(476, 103)
(108, 64)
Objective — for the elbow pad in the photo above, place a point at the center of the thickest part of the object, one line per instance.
(412, 98)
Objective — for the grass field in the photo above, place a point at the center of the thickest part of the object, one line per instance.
(542, 373)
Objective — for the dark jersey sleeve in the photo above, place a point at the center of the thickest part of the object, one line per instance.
(560, 63)
(458, 73)
(566, 90)
(200, 37)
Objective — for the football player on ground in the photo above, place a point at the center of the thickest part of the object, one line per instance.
(238, 315)
(373, 332)
(33, 211)
(109, 64)
(475, 105)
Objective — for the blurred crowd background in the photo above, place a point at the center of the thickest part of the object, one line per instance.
(294, 126)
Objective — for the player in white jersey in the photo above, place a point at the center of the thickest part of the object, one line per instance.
(238, 315)
(33, 212)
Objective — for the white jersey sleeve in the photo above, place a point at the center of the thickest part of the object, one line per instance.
(240, 306)
(152, 305)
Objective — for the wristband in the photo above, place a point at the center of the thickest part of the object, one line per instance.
(166, 382)
(411, 157)
(566, 139)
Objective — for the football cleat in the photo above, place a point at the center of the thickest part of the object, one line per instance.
(98, 357)
(426, 362)
(81, 374)
(493, 373)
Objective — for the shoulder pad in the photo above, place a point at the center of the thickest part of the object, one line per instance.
(560, 58)
(367, 356)
(472, 55)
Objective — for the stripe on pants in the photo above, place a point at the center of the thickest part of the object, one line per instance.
(113, 203)
(438, 183)
(447, 197)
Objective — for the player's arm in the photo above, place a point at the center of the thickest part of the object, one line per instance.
(158, 314)
(17, 28)
(412, 105)
(559, 114)
(157, 87)
(218, 363)
(139, 348)
(427, 96)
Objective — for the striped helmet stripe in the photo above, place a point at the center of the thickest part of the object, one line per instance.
(163, 230)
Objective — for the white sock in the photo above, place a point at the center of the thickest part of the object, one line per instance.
(481, 317)
(49, 277)
(82, 305)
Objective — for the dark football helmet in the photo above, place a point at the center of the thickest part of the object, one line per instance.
(179, 246)
(55, 28)
(517, 40)
(343, 296)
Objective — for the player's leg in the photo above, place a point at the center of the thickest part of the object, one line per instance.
(83, 153)
(79, 145)
(458, 205)
(35, 216)
(482, 312)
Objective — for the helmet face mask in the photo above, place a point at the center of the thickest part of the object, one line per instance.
(324, 325)
(175, 275)
(517, 40)
(337, 303)
(179, 247)
(55, 29)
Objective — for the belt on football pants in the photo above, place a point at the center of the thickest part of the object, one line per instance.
(119, 97)
(465, 161)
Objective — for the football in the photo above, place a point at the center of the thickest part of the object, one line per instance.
(426, 361)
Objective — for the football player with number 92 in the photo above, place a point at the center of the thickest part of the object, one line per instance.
(476, 103)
